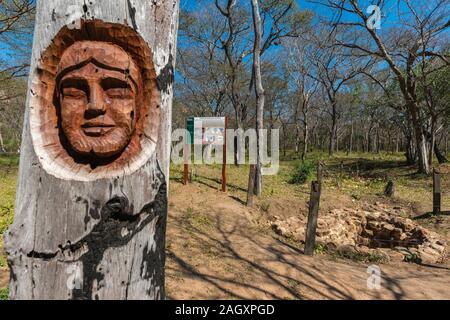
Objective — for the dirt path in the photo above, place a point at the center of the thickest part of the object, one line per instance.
(215, 251)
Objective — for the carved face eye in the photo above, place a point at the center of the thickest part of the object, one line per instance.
(117, 88)
(119, 93)
(74, 89)
(73, 93)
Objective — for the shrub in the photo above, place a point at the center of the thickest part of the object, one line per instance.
(6, 217)
(265, 206)
(302, 172)
(4, 294)
(3, 262)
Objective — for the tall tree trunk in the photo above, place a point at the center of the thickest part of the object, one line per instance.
(283, 127)
(2, 146)
(366, 146)
(238, 126)
(305, 132)
(411, 153)
(305, 141)
(350, 148)
(441, 157)
(259, 92)
(397, 142)
(421, 143)
(432, 141)
(333, 131)
(378, 142)
(337, 140)
(446, 144)
(94, 227)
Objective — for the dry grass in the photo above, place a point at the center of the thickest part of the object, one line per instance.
(8, 175)
(358, 176)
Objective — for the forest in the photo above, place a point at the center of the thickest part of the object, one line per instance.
(330, 80)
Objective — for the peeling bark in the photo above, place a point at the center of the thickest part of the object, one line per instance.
(100, 238)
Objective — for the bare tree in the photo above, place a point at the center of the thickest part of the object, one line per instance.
(259, 92)
(333, 69)
(299, 67)
(402, 50)
(204, 85)
(16, 26)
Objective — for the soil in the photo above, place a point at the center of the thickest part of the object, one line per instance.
(217, 248)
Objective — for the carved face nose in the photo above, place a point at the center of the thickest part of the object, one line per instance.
(97, 102)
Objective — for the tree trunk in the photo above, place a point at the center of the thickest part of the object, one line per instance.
(305, 142)
(92, 225)
(337, 140)
(378, 142)
(397, 143)
(446, 143)
(420, 138)
(2, 146)
(411, 153)
(238, 126)
(305, 133)
(350, 148)
(283, 135)
(259, 91)
(439, 155)
(333, 132)
(432, 141)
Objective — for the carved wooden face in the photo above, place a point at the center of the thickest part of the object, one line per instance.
(98, 96)
(95, 103)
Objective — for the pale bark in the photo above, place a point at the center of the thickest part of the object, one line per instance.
(2, 146)
(105, 236)
(259, 91)
(333, 130)
(350, 149)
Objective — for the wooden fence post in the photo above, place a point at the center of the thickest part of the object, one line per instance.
(314, 201)
(187, 156)
(320, 173)
(91, 204)
(251, 185)
(224, 162)
(436, 192)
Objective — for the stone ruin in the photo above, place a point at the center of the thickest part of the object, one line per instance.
(370, 231)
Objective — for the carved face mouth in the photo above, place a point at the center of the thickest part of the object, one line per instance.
(97, 129)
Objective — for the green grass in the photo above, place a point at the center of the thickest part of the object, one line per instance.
(9, 161)
(303, 171)
(373, 257)
(8, 176)
(7, 197)
(198, 221)
(358, 175)
(4, 294)
(3, 262)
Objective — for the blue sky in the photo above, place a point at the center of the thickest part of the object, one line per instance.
(388, 20)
